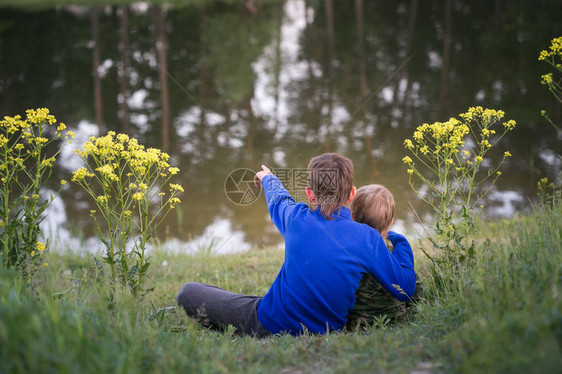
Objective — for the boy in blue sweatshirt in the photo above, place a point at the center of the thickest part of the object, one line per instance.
(326, 254)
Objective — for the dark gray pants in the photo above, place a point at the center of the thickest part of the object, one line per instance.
(217, 308)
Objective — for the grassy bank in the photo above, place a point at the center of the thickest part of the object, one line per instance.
(504, 315)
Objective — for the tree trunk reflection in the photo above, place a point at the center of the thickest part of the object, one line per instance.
(124, 68)
(446, 56)
(331, 58)
(95, 69)
(161, 46)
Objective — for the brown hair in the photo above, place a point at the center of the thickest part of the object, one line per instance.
(331, 179)
(374, 205)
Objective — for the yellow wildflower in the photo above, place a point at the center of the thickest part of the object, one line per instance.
(509, 125)
(107, 171)
(39, 116)
(123, 138)
(406, 160)
(48, 162)
(546, 78)
(177, 187)
(173, 202)
(80, 174)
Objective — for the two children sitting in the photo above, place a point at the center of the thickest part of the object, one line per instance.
(327, 255)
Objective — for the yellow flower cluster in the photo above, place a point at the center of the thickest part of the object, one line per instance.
(444, 144)
(17, 134)
(174, 201)
(126, 171)
(80, 174)
(479, 114)
(113, 148)
(440, 137)
(39, 116)
(11, 125)
(555, 49)
(34, 118)
(48, 161)
(176, 187)
(546, 79)
(107, 172)
(40, 248)
(509, 125)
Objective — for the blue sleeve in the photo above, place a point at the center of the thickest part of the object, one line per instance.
(279, 202)
(395, 271)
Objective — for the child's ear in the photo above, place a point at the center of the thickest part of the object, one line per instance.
(310, 195)
(352, 194)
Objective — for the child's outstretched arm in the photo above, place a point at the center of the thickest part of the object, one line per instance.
(279, 202)
(395, 271)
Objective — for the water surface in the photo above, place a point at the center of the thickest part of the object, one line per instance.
(227, 85)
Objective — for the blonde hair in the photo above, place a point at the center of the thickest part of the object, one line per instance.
(374, 205)
(331, 180)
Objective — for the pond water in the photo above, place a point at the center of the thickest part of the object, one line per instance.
(230, 85)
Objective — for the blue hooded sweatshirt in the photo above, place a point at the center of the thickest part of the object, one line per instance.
(324, 262)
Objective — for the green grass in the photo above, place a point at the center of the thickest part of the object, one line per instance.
(503, 316)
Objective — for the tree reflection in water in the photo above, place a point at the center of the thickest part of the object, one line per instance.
(223, 85)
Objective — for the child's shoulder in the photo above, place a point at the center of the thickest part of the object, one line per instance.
(368, 234)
